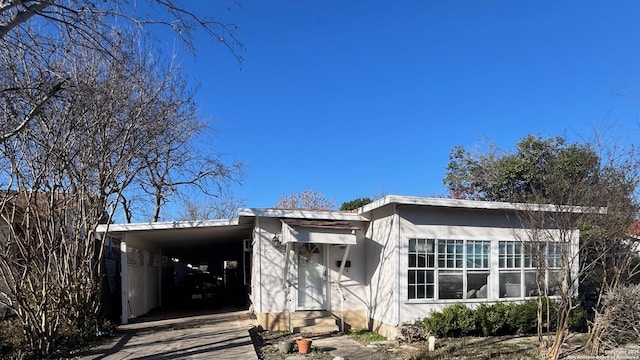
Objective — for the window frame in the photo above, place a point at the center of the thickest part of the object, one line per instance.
(450, 258)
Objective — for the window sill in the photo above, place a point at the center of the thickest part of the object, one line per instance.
(476, 300)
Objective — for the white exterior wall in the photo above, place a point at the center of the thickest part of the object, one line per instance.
(143, 278)
(268, 294)
(353, 278)
(382, 266)
(459, 224)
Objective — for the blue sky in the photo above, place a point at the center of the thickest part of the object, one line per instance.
(359, 98)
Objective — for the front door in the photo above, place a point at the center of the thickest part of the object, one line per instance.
(312, 275)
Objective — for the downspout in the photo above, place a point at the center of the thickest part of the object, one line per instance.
(344, 260)
(124, 286)
(285, 284)
(159, 276)
(396, 211)
(259, 264)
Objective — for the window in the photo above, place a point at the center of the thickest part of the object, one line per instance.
(450, 254)
(509, 255)
(450, 283)
(478, 254)
(556, 282)
(460, 272)
(421, 268)
(477, 268)
(554, 255)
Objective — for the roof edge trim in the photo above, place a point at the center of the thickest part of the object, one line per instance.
(476, 204)
(165, 225)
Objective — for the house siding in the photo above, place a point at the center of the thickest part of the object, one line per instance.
(143, 277)
(458, 224)
(352, 281)
(382, 269)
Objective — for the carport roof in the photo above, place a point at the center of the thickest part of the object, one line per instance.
(183, 233)
(191, 233)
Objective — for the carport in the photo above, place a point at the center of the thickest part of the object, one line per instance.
(178, 264)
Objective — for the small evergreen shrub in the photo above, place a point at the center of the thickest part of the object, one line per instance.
(501, 318)
(578, 319)
(493, 319)
(523, 317)
(454, 321)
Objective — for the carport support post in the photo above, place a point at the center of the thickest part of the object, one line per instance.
(124, 317)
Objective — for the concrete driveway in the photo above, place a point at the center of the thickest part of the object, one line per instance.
(213, 336)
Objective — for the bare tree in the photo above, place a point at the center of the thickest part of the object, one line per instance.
(603, 258)
(174, 163)
(308, 199)
(63, 175)
(36, 26)
(225, 206)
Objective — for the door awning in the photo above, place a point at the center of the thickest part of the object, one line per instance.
(318, 232)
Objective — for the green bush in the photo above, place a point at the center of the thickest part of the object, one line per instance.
(455, 320)
(493, 319)
(501, 318)
(523, 317)
(578, 319)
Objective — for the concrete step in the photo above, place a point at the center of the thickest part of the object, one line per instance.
(317, 329)
(313, 322)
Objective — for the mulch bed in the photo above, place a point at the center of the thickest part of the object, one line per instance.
(265, 343)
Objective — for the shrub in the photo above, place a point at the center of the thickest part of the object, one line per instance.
(455, 320)
(493, 319)
(523, 317)
(578, 319)
(11, 339)
(414, 331)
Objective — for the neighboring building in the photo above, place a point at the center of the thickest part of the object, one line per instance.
(390, 262)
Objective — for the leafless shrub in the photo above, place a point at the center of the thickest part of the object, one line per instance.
(618, 322)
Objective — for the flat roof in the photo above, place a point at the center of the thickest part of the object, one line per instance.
(169, 225)
(473, 204)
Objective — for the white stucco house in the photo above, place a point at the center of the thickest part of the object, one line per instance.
(387, 263)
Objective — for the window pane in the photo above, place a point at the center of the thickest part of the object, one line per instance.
(412, 276)
(450, 285)
(419, 282)
(509, 285)
(421, 292)
(556, 282)
(530, 284)
(477, 285)
(422, 260)
(412, 245)
(413, 260)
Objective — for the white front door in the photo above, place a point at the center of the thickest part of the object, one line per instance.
(312, 277)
